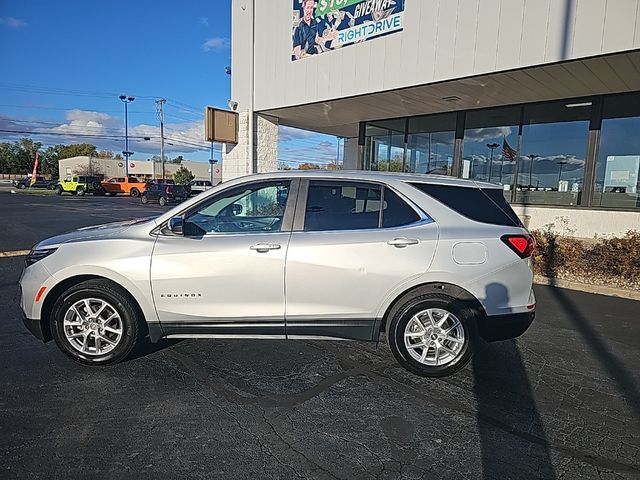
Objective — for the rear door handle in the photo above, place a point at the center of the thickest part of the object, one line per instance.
(403, 242)
(265, 247)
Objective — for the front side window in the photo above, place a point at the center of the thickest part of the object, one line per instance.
(255, 208)
(335, 206)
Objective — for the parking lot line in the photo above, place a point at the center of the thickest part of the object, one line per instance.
(14, 253)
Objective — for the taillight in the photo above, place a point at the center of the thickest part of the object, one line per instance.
(167, 189)
(522, 245)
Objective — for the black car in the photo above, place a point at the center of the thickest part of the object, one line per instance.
(164, 193)
(40, 182)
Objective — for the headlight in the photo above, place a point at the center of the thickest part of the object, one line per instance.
(37, 255)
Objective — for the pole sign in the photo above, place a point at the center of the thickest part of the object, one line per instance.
(325, 25)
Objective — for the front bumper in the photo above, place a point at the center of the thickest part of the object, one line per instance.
(503, 327)
(34, 326)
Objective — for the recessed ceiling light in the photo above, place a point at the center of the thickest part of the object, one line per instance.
(575, 105)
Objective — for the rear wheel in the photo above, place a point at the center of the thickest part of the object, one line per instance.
(59, 190)
(162, 201)
(95, 323)
(134, 192)
(144, 199)
(80, 191)
(432, 335)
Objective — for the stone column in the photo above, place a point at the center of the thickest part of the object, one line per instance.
(350, 154)
(237, 159)
(266, 143)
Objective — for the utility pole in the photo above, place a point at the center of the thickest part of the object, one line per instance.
(160, 106)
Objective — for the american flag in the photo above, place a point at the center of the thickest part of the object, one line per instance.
(508, 152)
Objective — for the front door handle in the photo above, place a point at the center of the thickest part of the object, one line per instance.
(265, 247)
(403, 242)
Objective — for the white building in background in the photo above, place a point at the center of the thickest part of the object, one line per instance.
(541, 96)
(111, 167)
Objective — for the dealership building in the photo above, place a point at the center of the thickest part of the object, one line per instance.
(541, 97)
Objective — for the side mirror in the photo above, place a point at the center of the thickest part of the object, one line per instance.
(176, 225)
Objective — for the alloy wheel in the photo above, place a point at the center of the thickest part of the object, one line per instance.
(93, 326)
(434, 337)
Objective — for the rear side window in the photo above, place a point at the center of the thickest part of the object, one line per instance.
(354, 206)
(486, 205)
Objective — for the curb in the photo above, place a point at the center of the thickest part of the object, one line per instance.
(584, 287)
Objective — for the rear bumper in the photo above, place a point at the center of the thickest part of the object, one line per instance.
(503, 327)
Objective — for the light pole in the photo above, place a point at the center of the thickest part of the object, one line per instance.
(531, 159)
(562, 163)
(126, 100)
(492, 147)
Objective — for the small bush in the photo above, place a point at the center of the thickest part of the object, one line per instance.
(611, 262)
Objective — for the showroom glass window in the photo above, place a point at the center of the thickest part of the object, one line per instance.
(430, 144)
(617, 175)
(489, 151)
(554, 149)
(385, 145)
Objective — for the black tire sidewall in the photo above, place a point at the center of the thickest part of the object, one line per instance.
(423, 302)
(162, 201)
(100, 290)
(144, 199)
(80, 191)
(134, 192)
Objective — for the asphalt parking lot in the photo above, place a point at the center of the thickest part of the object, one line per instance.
(563, 401)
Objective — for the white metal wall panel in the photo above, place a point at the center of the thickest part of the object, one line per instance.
(487, 37)
(465, 47)
(442, 40)
(426, 37)
(446, 38)
(510, 34)
(589, 26)
(619, 25)
(534, 31)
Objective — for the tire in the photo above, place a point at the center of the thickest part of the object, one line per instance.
(162, 201)
(84, 345)
(134, 192)
(80, 191)
(59, 190)
(144, 199)
(416, 321)
(21, 186)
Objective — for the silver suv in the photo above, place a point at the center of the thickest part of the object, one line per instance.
(434, 262)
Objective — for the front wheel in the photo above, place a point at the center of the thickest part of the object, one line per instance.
(144, 199)
(162, 201)
(22, 186)
(95, 323)
(432, 335)
(134, 192)
(80, 191)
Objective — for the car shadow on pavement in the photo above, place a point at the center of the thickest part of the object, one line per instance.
(505, 404)
(626, 384)
(146, 348)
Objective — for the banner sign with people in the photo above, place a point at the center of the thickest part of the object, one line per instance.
(323, 25)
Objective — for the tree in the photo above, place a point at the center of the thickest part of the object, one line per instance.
(105, 154)
(77, 150)
(183, 176)
(177, 160)
(118, 156)
(18, 157)
(308, 166)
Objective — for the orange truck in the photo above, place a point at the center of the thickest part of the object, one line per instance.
(127, 185)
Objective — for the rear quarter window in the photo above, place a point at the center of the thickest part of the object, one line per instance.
(486, 205)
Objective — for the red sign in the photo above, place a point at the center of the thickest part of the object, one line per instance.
(132, 165)
(35, 169)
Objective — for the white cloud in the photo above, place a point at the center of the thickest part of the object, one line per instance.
(204, 21)
(12, 22)
(215, 43)
(484, 134)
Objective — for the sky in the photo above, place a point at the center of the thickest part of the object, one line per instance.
(65, 63)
